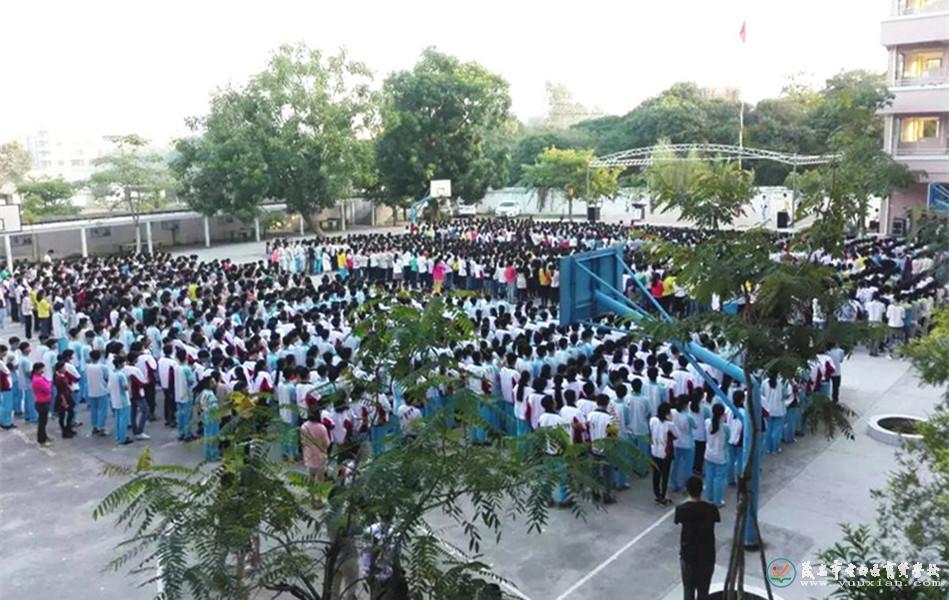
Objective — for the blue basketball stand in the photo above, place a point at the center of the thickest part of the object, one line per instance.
(591, 285)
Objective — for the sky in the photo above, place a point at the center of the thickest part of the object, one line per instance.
(99, 67)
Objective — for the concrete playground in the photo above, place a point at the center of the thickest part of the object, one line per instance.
(52, 548)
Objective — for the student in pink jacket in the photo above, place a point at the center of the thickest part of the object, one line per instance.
(42, 396)
(315, 440)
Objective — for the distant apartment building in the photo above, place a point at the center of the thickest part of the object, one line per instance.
(916, 37)
(69, 157)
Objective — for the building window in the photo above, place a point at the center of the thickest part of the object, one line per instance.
(922, 65)
(918, 129)
(77, 162)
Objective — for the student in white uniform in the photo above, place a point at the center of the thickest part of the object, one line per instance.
(551, 420)
(716, 459)
(661, 448)
(602, 425)
(775, 399)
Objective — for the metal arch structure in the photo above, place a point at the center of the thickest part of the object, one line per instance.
(639, 157)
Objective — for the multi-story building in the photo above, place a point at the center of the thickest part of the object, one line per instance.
(916, 37)
(69, 157)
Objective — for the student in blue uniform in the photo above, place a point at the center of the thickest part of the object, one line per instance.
(97, 390)
(121, 400)
(207, 400)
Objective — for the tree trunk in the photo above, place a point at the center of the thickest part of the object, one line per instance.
(312, 222)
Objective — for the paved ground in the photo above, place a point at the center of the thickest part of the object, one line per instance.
(51, 547)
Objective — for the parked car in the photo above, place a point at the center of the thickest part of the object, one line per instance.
(508, 209)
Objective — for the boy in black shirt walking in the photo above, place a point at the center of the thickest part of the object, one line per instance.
(697, 549)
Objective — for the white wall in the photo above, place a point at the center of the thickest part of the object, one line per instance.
(762, 210)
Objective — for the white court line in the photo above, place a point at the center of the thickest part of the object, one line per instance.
(615, 555)
(30, 442)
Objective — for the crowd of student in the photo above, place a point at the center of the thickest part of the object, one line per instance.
(119, 333)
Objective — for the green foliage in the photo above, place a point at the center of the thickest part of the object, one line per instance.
(680, 114)
(131, 178)
(706, 194)
(532, 144)
(444, 119)
(15, 162)
(569, 171)
(861, 547)
(930, 354)
(291, 133)
(224, 169)
(254, 523)
(46, 198)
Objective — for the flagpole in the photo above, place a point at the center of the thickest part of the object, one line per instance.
(741, 102)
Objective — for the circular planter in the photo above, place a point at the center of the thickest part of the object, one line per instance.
(894, 430)
(751, 592)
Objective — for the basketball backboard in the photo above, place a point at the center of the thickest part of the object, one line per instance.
(441, 188)
(581, 275)
(10, 221)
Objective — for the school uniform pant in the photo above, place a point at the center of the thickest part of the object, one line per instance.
(98, 412)
(560, 488)
(6, 408)
(682, 467)
(139, 416)
(792, 423)
(29, 407)
(774, 433)
(183, 416)
(42, 410)
(28, 326)
(734, 463)
(378, 434)
(642, 444)
(212, 428)
(696, 578)
(122, 416)
(150, 400)
(522, 427)
(660, 476)
(699, 461)
(715, 475)
(289, 444)
(835, 386)
(67, 417)
(169, 405)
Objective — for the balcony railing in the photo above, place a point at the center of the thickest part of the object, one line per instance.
(935, 77)
(922, 149)
(904, 7)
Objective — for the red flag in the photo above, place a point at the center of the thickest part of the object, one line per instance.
(743, 32)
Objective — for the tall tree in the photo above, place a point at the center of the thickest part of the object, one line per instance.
(15, 162)
(569, 172)
(44, 198)
(131, 178)
(444, 119)
(292, 133)
(222, 168)
(531, 143)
